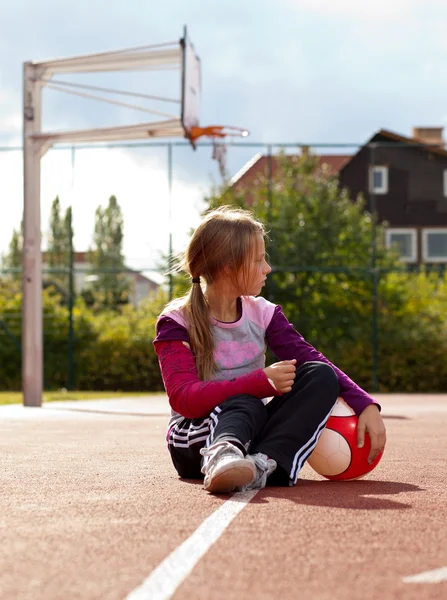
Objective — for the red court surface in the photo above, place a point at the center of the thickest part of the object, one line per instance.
(90, 506)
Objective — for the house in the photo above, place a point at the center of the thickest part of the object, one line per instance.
(259, 166)
(407, 180)
(141, 286)
(404, 178)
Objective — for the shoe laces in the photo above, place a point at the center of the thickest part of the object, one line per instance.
(216, 451)
(264, 467)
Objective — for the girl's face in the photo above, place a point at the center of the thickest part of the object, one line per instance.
(252, 276)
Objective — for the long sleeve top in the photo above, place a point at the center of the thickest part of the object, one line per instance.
(240, 359)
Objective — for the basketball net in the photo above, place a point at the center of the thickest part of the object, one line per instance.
(220, 156)
(217, 134)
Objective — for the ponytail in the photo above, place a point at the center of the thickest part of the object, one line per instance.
(199, 328)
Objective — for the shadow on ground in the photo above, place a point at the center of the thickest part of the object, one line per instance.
(351, 495)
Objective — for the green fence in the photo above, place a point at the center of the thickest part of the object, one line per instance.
(345, 310)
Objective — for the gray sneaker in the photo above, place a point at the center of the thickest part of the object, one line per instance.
(264, 467)
(226, 468)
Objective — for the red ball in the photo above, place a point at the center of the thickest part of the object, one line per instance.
(336, 455)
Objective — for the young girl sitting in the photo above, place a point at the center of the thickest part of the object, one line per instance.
(211, 347)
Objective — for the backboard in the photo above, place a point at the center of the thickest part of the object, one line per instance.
(191, 82)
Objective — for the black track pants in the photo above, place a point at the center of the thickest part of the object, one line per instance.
(287, 429)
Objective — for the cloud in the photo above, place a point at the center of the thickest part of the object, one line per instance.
(10, 123)
(139, 181)
(11, 194)
(382, 10)
(10, 116)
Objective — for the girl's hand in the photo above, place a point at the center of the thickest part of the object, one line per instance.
(371, 421)
(282, 374)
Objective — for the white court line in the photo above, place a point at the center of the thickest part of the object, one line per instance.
(166, 578)
(435, 576)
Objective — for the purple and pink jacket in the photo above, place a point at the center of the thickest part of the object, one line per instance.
(240, 359)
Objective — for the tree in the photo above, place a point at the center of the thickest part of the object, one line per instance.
(111, 287)
(320, 250)
(60, 240)
(13, 259)
(68, 228)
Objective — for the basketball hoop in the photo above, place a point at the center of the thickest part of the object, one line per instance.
(178, 56)
(217, 134)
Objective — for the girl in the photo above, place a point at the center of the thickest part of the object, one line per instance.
(211, 347)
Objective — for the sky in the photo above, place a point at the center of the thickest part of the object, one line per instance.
(289, 71)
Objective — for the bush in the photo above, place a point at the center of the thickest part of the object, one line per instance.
(412, 337)
(122, 356)
(113, 350)
(10, 335)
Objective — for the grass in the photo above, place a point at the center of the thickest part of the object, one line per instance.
(61, 395)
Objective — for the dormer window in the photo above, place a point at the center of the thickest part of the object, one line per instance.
(378, 180)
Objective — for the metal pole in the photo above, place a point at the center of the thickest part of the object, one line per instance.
(32, 331)
(170, 260)
(71, 291)
(269, 285)
(375, 274)
(70, 374)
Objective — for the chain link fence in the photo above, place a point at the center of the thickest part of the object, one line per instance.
(161, 188)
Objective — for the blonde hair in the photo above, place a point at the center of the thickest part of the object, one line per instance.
(224, 240)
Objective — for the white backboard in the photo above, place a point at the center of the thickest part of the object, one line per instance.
(190, 86)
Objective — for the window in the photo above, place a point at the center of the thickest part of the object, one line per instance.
(434, 245)
(445, 183)
(406, 242)
(378, 180)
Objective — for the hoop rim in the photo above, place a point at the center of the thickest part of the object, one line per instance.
(215, 131)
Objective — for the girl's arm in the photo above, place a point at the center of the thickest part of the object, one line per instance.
(193, 398)
(286, 343)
